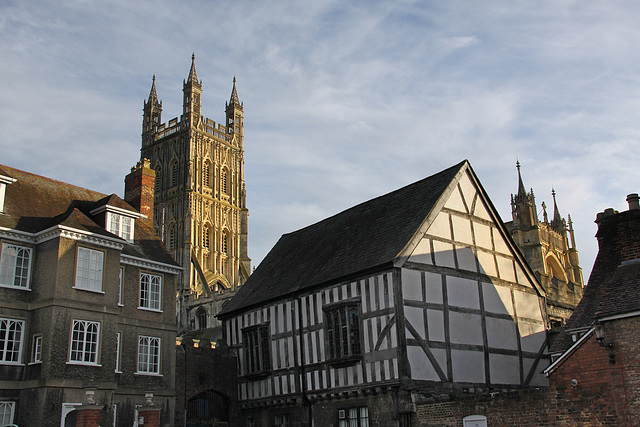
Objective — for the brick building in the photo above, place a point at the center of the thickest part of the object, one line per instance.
(87, 303)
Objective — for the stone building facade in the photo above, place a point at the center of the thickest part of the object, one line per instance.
(549, 247)
(200, 200)
(87, 304)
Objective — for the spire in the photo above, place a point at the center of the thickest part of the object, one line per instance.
(153, 96)
(557, 221)
(234, 94)
(521, 190)
(193, 77)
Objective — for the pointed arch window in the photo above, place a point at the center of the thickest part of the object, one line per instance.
(174, 174)
(206, 237)
(172, 236)
(223, 243)
(224, 184)
(201, 315)
(206, 173)
(157, 181)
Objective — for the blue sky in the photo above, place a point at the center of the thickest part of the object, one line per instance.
(343, 100)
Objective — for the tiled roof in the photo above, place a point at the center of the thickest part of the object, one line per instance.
(362, 238)
(35, 203)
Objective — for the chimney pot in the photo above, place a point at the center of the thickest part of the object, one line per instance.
(634, 201)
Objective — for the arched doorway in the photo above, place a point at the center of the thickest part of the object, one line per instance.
(206, 409)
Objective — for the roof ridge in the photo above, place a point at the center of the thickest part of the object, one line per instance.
(49, 179)
(375, 199)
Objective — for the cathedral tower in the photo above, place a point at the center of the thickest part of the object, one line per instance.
(550, 249)
(200, 200)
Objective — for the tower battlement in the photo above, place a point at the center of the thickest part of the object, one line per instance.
(200, 200)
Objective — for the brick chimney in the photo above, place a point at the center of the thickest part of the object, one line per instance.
(139, 189)
(619, 232)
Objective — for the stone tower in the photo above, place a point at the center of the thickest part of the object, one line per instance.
(200, 201)
(550, 249)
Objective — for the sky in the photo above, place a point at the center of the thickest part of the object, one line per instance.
(343, 100)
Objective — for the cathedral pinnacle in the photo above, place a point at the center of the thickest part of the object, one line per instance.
(521, 190)
(193, 77)
(234, 94)
(557, 221)
(153, 96)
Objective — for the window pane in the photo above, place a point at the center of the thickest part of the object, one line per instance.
(14, 267)
(10, 340)
(89, 269)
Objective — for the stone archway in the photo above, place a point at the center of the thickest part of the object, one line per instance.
(208, 408)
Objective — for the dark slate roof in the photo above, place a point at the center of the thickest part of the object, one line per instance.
(365, 237)
(35, 203)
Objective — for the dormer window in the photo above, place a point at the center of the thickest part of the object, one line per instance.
(120, 225)
(4, 181)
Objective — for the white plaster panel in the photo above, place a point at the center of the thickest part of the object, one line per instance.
(505, 267)
(422, 252)
(466, 258)
(391, 289)
(462, 292)
(532, 336)
(538, 378)
(468, 366)
(528, 305)
(411, 284)
(415, 316)
(461, 230)
(421, 366)
(497, 299)
(522, 277)
(501, 333)
(381, 291)
(371, 294)
(501, 244)
(281, 315)
(367, 325)
(440, 226)
(434, 288)
(481, 210)
(468, 190)
(444, 254)
(465, 328)
(435, 325)
(482, 234)
(320, 350)
(504, 369)
(455, 201)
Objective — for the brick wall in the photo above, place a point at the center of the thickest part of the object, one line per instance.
(604, 394)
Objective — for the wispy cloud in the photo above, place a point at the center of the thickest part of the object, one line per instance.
(343, 100)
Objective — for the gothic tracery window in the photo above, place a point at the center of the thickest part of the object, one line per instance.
(223, 243)
(174, 174)
(206, 173)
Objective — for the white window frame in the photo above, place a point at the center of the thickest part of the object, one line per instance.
(121, 225)
(6, 417)
(118, 347)
(11, 334)
(148, 347)
(120, 287)
(9, 266)
(36, 349)
(150, 292)
(89, 271)
(84, 349)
